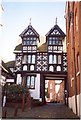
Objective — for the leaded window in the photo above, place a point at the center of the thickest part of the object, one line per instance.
(29, 41)
(55, 59)
(31, 82)
(31, 59)
(52, 59)
(54, 41)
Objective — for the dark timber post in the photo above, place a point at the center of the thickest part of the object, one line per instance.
(42, 88)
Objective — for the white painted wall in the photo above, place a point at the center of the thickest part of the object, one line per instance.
(10, 80)
(71, 101)
(35, 93)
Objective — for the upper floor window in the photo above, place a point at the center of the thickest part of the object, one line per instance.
(54, 41)
(29, 41)
(55, 59)
(52, 59)
(29, 59)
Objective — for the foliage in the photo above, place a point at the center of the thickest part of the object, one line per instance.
(15, 92)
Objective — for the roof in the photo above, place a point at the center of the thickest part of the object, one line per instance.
(10, 64)
(43, 47)
(5, 69)
(29, 31)
(55, 29)
(18, 47)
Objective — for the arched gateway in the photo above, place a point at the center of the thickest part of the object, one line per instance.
(34, 65)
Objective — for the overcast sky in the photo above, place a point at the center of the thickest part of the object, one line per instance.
(16, 17)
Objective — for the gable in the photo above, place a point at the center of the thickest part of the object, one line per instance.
(29, 31)
(56, 31)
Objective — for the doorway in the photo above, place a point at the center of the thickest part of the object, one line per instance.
(54, 91)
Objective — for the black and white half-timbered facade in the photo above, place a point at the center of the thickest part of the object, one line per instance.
(34, 64)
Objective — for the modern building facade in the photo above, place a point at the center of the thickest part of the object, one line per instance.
(34, 65)
(73, 39)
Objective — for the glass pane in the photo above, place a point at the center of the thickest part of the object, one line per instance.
(33, 59)
(28, 81)
(32, 67)
(32, 82)
(50, 42)
(54, 59)
(31, 42)
(25, 67)
(50, 59)
(24, 59)
(51, 68)
(53, 42)
(29, 58)
(34, 42)
(58, 68)
(28, 42)
(59, 59)
(24, 42)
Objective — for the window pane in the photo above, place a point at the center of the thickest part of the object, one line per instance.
(32, 82)
(58, 68)
(50, 59)
(59, 59)
(31, 42)
(28, 81)
(24, 59)
(25, 67)
(32, 67)
(53, 42)
(54, 59)
(51, 68)
(29, 58)
(24, 42)
(50, 42)
(34, 42)
(28, 42)
(33, 59)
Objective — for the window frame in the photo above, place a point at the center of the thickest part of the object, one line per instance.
(30, 81)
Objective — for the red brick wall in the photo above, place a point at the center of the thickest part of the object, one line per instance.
(77, 39)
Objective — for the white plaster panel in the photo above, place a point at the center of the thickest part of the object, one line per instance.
(35, 93)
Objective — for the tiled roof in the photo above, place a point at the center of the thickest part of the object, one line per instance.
(43, 47)
(10, 64)
(18, 47)
(5, 69)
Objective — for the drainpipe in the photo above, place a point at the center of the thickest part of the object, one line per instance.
(74, 59)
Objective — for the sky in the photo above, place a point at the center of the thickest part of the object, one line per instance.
(16, 17)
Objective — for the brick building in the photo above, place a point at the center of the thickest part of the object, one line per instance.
(60, 94)
(73, 40)
(51, 91)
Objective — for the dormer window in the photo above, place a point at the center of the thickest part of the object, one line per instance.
(54, 41)
(30, 41)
